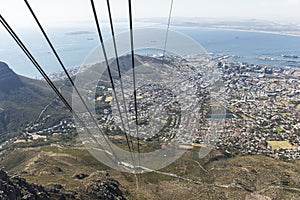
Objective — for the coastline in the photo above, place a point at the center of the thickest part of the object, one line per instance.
(241, 30)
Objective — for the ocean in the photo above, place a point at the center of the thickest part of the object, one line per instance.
(74, 44)
(251, 47)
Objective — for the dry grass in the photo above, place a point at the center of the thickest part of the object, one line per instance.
(280, 145)
(251, 172)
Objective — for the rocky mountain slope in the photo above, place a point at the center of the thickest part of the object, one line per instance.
(101, 187)
(18, 188)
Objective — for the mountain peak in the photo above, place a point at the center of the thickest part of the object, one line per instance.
(9, 80)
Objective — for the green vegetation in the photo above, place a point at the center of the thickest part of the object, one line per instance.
(231, 106)
(279, 129)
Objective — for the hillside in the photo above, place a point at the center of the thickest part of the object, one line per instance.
(21, 101)
(73, 171)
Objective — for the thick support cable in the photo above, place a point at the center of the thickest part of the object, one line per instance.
(48, 80)
(118, 66)
(109, 73)
(66, 71)
(133, 74)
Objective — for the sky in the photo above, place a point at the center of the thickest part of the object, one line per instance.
(69, 12)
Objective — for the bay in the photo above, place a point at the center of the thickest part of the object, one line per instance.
(73, 45)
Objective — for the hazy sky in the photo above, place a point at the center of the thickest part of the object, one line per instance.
(59, 12)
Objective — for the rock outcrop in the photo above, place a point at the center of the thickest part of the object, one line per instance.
(18, 188)
(100, 186)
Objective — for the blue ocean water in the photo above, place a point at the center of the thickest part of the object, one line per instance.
(72, 49)
(73, 45)
(252, 47)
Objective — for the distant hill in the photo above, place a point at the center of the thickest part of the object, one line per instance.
(8, 79)
(21, 100)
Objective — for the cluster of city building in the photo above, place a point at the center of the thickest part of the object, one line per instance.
(263, 103)
(260, 106)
